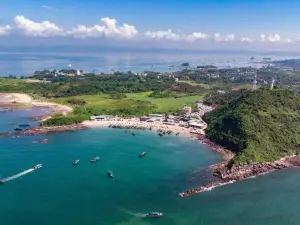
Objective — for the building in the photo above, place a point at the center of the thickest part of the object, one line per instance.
(102, 117)
(196, 125)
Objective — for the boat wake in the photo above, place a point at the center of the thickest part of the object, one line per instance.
(17, 175)
(136, 214)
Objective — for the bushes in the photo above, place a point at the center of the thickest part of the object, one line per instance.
(65, 120)
(75, 101)
(259, 126)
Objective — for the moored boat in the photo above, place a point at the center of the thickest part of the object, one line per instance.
(24, 125)
(75, 162)
(154, 214)
(143, 154)
(38, 166)
(110, 174)
(94, 159)
(18, 129)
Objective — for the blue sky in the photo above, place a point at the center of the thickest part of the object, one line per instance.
(205, 23)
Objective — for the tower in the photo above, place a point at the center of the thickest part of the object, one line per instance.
(272, 83)
(254, 82)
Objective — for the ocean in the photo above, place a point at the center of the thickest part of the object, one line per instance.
(26, 62)
(61, 194)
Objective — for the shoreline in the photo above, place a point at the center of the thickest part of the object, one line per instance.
(20, 101)
(220, 170)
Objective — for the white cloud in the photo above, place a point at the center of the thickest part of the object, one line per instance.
(109, 29)
(163, 34)
(5, 30)
(35, 29)
(245, 39)
(270, 38)
(197, 36)
(47, 7)
(219, 38)
(263, 37)
(229, 37)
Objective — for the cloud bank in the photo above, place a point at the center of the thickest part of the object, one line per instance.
(109, 29)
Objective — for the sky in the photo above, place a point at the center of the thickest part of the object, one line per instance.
(167, 24)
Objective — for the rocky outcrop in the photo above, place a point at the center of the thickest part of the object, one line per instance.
(54, 129)
(243, 171)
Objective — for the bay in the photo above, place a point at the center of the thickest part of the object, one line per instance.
(60, 193)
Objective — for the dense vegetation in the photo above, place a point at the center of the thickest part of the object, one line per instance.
(259, 126)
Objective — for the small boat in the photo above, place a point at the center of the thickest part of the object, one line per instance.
(24, 125)
(154, 214)
(75, 162)
(133, 134)
(38, 166)
(143, 154)
(110, 174)
(1, 182)
(94, 159)
(18, 129)
(160, 134)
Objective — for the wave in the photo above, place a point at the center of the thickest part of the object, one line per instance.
(17, 175)
(136, 214)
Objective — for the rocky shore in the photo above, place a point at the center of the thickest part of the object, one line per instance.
(54, 129)
(226, 154)
(243, 171)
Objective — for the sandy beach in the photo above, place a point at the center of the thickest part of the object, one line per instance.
(155, 126)
(16, 98)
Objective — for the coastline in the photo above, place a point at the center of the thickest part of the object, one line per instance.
(19, 101)
(220, 170)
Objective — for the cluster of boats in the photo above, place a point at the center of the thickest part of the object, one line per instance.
(43, 141)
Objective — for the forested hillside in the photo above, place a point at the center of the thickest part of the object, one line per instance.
(259, 126)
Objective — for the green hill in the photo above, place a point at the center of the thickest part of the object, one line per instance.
(259, 126)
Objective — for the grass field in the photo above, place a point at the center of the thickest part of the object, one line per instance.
(166, 104)
(134, 104)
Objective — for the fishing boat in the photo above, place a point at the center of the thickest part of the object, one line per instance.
(110, 174)
(143, 154)
(94, 159)
(154, 214)
(75, 162)
(38, 166)
(24, 125)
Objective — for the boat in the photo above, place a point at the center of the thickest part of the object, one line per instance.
(75, 162)
(133, 134)
(110, 174)
(94, 159)
(160, 134)
(18, 129)
(143, 154)
(1, 182)
(24, 125)
(154, 214)
(38, 166)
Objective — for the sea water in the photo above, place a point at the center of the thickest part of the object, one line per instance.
(60, 193)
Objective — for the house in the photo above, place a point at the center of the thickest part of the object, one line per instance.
(102, 117)
(196, 125)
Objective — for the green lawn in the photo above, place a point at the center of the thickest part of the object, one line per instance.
(134, 104)
(166, 104)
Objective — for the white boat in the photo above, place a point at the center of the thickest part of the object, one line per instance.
(94, 159)
(38, 166)
(75, 162)
(154, 214)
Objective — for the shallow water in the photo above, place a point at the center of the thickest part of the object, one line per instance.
(60, 193)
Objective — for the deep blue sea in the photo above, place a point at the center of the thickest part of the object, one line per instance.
(61, 194)
(26, 62)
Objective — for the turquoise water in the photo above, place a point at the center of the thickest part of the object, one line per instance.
(61, 194)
